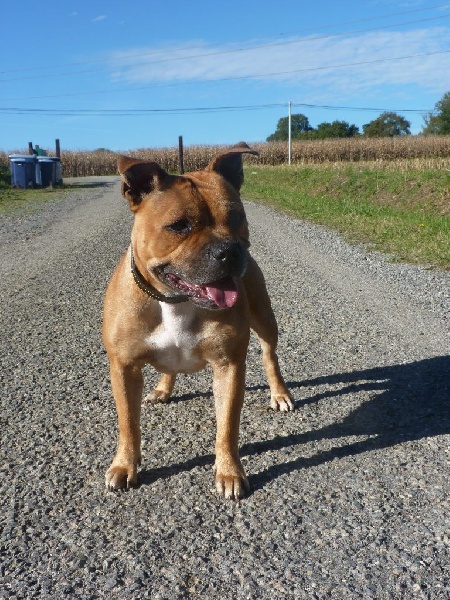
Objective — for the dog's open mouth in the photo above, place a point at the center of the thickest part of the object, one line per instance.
(217, 294)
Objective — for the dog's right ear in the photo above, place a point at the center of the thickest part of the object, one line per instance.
(229, 164)
(139, 178)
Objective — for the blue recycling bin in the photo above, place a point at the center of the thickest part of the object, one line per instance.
(50, 172)
(24, 168)
(58, 170)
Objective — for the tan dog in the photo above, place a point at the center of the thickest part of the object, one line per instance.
(184, 295)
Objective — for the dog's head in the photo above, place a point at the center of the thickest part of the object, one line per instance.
(190, 233)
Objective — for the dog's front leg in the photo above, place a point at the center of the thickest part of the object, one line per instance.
(229, 386)
(127, 385)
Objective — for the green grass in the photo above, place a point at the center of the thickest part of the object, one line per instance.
(405, 214)
(15, 201)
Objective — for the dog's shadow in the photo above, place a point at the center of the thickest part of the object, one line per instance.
(410, 402)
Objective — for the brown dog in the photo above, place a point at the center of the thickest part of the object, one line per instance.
(186, 294)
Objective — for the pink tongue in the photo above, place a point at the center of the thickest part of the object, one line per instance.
(223, 292)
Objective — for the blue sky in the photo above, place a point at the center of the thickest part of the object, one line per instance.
(126, 75)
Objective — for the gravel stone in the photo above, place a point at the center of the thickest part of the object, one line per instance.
(350, 493)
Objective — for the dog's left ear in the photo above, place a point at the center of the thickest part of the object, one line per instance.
(229, 164)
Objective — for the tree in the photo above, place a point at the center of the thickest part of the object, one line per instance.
(438, 122)
(388, 124)
(299, 126)
(336, 129)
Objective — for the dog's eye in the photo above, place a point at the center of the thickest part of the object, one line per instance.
(182, 226)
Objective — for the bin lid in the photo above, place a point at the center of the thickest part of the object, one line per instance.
(22, 157)
(48, 159)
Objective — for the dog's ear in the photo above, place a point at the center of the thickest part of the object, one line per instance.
(139, 178)
(229, 164)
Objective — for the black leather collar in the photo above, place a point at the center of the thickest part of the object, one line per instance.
(150, 290)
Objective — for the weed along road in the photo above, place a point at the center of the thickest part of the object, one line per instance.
(350, 492)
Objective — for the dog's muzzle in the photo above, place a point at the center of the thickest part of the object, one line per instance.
(212, 280)
(230, 258)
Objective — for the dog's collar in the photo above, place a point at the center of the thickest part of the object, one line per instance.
(150, 290)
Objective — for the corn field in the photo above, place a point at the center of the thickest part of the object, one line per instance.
(416, 151)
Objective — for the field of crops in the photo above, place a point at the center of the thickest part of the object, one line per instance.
(416, 151)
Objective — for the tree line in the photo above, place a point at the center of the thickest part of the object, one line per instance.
(388, 124)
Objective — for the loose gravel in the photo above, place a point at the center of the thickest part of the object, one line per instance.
(350, 493)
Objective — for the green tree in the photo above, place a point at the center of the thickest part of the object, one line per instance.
(388, 124)
(336, 129)
(438, 121)
(299, 126)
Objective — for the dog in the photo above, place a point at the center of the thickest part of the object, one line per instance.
(186, 294)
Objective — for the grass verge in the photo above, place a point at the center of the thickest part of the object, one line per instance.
(405, 214)
(15, 201)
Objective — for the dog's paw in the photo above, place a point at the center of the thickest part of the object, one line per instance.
(157, 397)
(120, 478)
(163, 390)
(282, 402)
(233, 486)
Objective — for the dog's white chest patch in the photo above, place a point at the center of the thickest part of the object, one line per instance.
(174, 341)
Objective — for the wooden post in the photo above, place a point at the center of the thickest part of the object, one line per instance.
(180, 154)
(30, 147)
(57, 149)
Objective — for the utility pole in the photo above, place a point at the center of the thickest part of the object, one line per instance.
(289, 132)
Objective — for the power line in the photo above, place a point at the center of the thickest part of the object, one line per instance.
(209, 54)
(363, 108)
(245, 40)
(239, 77)
(154, 52)
(192, 110)
(134, 111)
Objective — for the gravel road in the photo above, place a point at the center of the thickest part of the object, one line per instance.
(350, 493)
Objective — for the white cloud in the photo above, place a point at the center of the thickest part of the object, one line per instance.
(99, 18)
(345, 64)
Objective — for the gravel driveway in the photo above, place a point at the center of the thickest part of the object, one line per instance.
(350, 493)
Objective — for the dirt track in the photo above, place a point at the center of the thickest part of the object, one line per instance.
(350, 493)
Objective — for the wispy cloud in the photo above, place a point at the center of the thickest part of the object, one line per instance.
(99, 18)
(345, 64)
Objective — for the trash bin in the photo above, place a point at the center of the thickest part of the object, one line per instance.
(50, 171)
(58, 170)
(23, 170)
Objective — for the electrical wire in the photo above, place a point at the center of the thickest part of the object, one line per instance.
(238, 77)
(192, 110)
(221, 52)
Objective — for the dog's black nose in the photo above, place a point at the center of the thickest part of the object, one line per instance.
(231, 256)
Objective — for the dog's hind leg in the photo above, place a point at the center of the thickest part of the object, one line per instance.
(264, 324)
(163, 390)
